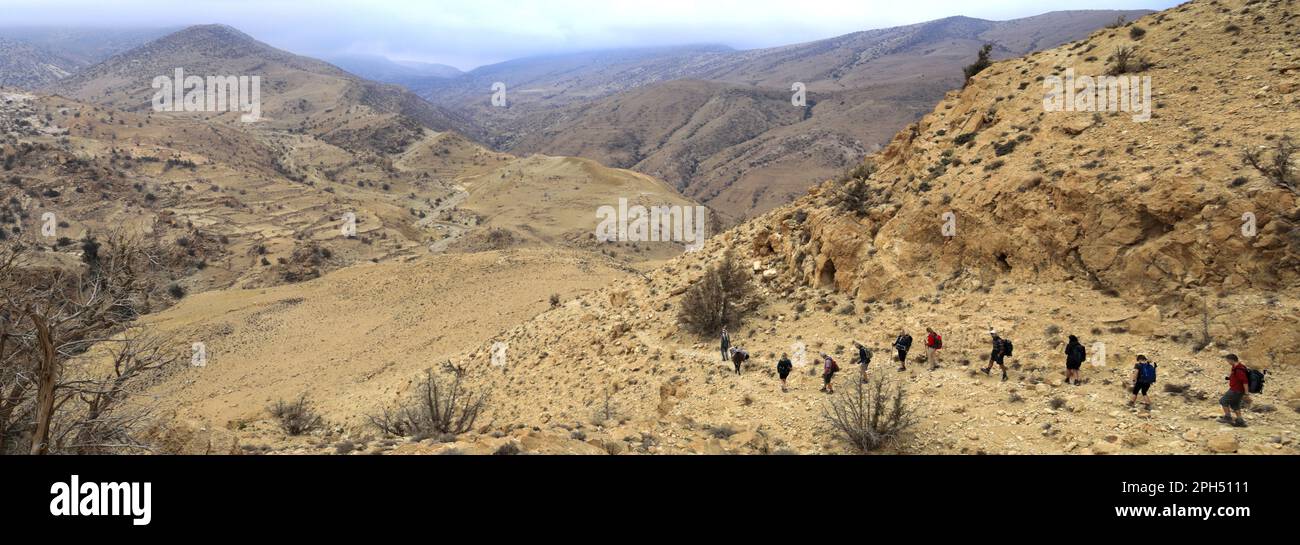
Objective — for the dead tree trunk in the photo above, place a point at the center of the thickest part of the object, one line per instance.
(46, 377)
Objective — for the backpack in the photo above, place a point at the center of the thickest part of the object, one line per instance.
(1007, 347)
(835, 367)
(938, 341)
(1147, 373)
(1254, 381)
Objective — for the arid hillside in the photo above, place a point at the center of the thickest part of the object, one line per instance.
(1127, 234)
(990, 212)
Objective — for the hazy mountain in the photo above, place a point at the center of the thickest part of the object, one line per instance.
(405, 73)
(85, 45)
(628, 109)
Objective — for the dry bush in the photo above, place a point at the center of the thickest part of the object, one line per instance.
(1126, 61)
(1278, 168)
(296, 417)
(721, 297)
(438, 407)
(870, 416)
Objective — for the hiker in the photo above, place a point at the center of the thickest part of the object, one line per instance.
(1144, 375)
(829, 368)
(1238, 380)
(738, 357)
(933, 344)
(1075, 355)
(726, 343)
(864, 357)
(998, 355)
(783, 368)
(903, 343)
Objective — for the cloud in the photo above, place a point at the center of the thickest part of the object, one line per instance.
(468, 33)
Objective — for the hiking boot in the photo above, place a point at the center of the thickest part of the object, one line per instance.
(985, 371)
(901, 369)
(1239, 423)
(1225, 420)
(1004, 377)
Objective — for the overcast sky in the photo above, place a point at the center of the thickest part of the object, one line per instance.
(470, 33)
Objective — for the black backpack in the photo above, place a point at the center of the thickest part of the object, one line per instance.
(1255, 380)
(1007, 347)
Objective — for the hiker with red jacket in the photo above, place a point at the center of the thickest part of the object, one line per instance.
(933, 344)
(829, 368)
(1238, 382)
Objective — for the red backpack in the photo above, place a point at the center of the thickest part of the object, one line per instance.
(938, 341)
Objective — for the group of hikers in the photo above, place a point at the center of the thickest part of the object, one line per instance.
(1242, 381)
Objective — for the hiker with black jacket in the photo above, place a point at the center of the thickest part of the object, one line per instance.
(902, 344)
(726, 343)
(1001, 349)
(1075, 355)
(864, 357)
(738, 357)
(783, 369)
(1238, 383)
(1144, 375)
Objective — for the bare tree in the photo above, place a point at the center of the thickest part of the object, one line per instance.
(52, 315)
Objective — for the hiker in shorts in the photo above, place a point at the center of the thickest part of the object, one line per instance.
(738, 357)
(1075, 355)
(1238, 381)
(933, 344)
(829, 368)
(864, 357)
(902, 344)
(998, 355)
(726, 344)
(1144, 375)
(783, 369)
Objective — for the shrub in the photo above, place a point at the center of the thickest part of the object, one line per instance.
(853, 196)
(870, 416)
(721, 297)
(555, 300)
(1278, 168)
(176, 291)
(1057, 403)
(296, 417)
(981, 62)
(1126, 61)
(438, 407)
(1137, 32)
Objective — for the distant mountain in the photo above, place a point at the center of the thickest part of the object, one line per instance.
(405, 73)
(299, 92)
(32, 57)
(27, 66)
(745, 148)
(85, 45)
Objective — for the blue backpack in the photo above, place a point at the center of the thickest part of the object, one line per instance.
(1147, 373)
